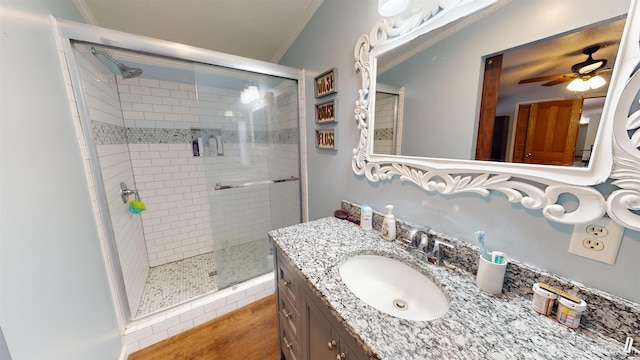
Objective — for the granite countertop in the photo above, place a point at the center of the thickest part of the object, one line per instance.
(477, 325)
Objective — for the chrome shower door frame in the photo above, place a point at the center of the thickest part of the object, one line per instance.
(77, 32)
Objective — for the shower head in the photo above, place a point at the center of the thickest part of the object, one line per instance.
(126, 71)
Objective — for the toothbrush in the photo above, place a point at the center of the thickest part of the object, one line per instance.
(483, 250)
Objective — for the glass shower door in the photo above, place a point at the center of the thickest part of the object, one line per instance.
(248, 140)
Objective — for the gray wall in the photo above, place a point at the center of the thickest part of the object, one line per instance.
(55, 299)
(328, 41)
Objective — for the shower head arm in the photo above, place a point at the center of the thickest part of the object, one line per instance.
(127, 72)
(95, 52)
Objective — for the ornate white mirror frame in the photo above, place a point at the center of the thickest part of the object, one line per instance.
(616, 154)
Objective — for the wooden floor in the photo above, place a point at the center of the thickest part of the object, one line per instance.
(247, 333)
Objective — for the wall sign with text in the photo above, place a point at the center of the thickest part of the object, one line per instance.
(325, 83)
(326, 139)
(326, 112)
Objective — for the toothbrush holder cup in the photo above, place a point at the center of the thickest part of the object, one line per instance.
(490, 275)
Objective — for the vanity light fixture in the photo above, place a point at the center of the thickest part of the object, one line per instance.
(388, 8)
(584, 85)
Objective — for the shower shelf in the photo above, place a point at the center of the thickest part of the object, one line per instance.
(254, 183)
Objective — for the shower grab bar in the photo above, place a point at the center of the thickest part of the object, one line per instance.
(254, 183)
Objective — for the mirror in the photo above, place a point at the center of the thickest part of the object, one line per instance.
(532, 58)
(438, 139)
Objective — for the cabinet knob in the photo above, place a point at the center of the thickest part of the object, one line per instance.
(341, 356)
(331, 345)
(528, 155)
(287, 315)
(289, 346)
(287, 283)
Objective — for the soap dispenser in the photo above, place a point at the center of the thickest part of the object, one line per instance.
(389, 224)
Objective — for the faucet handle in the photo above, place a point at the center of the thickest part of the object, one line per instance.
(424, 240)
(420, 239)
(440, 242)
(437, 253)
(411, 234)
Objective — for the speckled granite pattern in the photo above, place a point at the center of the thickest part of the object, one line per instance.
(477, 325)
(606, 314)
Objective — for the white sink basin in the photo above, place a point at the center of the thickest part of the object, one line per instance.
(393, 287)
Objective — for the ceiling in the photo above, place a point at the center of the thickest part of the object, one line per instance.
(257, 29)
(265, 29)
(556, 55)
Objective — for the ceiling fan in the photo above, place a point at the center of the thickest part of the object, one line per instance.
(582, 70)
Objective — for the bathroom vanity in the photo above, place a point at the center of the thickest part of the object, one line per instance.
(306, 327)
(320, 318)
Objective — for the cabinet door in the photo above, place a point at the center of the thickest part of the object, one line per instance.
(307, 331)
(288, 291)
(288, 346)
(351, 352)
(342, 353)
(322, 343)
(288, 281)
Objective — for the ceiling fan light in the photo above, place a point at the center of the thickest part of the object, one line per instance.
(388, 8)
(585, 69)
(596, 82)
(578, 85)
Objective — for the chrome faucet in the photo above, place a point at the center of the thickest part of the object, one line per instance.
(420, 241)
(436, 253)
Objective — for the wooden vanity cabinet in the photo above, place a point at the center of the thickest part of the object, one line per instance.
(327, 340)
(290, 303)
(307, 329)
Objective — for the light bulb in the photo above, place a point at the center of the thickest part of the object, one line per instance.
(578, 85)
(596, 82)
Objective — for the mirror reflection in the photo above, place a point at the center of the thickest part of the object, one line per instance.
(512, 105)
(389, 120)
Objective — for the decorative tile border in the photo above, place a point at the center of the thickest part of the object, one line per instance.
(607, 314)
(158, 136)
(108, 134)
(285, 136)
(383, 134)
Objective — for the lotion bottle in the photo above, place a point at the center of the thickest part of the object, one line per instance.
(366, 217)
(389, 224)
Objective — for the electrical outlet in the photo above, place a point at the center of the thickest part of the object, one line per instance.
(593, 244)
(596, 230)
(598, 240)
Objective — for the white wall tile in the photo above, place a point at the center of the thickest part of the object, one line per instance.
(103, 99)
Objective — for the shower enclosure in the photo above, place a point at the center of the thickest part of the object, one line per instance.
(213, 153)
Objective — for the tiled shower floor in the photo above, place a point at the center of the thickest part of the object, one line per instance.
(176, 282)
(179, 281)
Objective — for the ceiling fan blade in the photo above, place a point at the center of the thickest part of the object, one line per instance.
(564, 79)
(542, 78)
